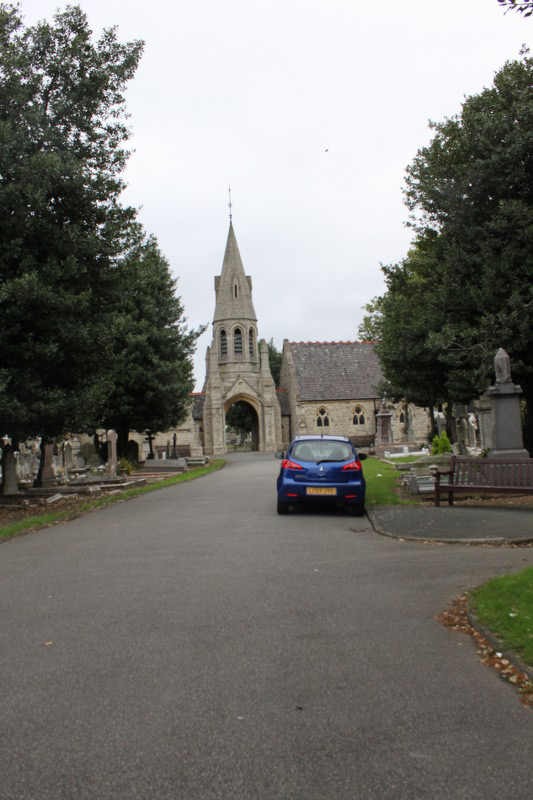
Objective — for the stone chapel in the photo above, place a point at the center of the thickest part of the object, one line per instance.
(326, 387)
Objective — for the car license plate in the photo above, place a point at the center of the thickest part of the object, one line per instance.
(321, 490)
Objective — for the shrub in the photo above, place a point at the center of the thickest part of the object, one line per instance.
(125, 465)
(441, 444)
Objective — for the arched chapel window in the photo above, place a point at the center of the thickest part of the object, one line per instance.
(223, 343)
(402, 416)
(237, 342)
(251, 342)
(322, 418)
(235, 291)
(359, 415)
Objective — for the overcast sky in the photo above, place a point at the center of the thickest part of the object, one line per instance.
(311, 110)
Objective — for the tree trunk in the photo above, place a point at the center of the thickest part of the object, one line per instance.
(434, 427)
(150, 437)
(39, 479)
(123, 434)
(9, 470)
(450, 427)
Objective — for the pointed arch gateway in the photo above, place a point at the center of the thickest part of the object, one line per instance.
(250, 405)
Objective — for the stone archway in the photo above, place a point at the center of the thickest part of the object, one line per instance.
(254, 409)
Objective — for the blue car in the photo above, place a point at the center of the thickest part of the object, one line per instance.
(321, 469)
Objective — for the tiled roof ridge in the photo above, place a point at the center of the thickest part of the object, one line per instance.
(364, 341)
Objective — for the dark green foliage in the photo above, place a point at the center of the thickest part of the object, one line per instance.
(152, 371)
(240, 418)
(62, 129)
(466, 288)
(440, 445)
(274, 360)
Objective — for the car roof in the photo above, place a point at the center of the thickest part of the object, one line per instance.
(315, 436)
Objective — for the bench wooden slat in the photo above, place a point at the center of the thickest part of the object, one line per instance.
(513, 476)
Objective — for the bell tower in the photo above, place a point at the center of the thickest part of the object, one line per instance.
(237, 368)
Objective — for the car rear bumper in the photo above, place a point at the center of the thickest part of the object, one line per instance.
(352, 492)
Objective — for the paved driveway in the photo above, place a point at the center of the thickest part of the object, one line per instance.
(191, 644)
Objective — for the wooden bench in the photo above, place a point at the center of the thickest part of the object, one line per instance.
(486, 475)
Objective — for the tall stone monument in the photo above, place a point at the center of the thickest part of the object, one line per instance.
(506, 434)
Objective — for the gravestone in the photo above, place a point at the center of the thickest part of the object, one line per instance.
(506, 434)
(133, 451)
(111, 466)
(48, 477)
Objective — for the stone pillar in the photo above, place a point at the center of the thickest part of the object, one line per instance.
(507, 441)
(383, 425)
(111, 466)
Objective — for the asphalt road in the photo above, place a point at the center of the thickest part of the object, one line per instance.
(192, 645)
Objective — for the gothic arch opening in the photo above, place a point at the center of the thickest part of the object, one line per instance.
(241, 422)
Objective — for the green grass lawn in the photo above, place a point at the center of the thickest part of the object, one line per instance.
(505, 606)
(45, 520)
(383, 484)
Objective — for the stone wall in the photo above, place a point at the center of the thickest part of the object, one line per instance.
(341, 419)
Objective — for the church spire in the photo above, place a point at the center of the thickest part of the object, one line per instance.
(233, 288)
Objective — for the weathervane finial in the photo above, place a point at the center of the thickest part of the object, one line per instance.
(230, 204)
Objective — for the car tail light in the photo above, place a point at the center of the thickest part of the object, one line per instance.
(287, 464)
(354, 465)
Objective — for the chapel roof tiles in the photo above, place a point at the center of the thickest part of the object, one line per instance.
(336, 370)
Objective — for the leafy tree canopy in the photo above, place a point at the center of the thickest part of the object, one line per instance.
(466, 288)
(240, 418)
(62, 131)
(274, 360)
(152, 371)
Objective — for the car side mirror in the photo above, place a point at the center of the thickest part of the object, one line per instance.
(279, 454)
(362, 456)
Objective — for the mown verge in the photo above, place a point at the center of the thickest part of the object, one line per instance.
(51, 518)
(383, 484)
(504, 605)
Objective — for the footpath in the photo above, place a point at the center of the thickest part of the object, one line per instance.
(455, 524)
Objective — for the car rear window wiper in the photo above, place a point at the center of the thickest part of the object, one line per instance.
(330, 460)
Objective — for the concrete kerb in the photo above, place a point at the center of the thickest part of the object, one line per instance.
(496, 643)
(494, 541)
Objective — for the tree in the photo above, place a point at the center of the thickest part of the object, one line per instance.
(239, 418)
(152, 371)
(274, 360)
(401, 322)
(62, 131)
(470, 193)
(524, 7)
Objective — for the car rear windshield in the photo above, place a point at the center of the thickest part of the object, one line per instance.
(322, 450)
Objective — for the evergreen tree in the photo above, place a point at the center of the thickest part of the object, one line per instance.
(152, 371)
(470, 287)
(62, 134)
(274, 361)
